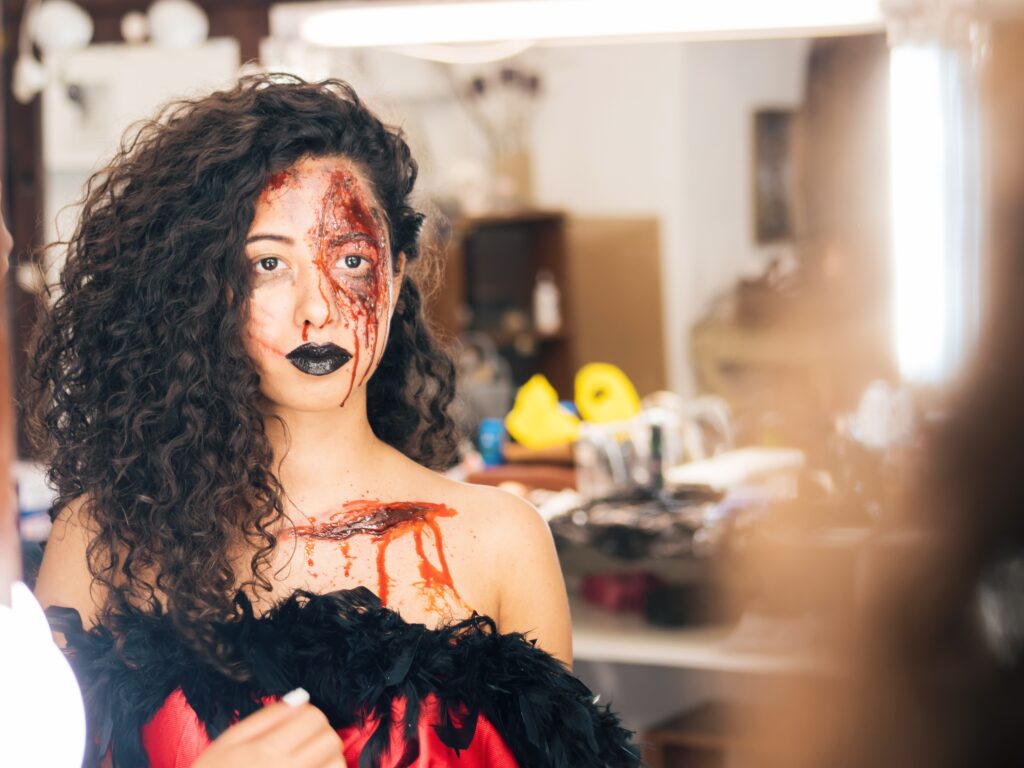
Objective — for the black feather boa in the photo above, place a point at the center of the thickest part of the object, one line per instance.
(353, 656)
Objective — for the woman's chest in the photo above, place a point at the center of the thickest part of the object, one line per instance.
(423, 560)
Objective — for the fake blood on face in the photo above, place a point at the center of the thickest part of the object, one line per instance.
(352, 270)
(386, 521)
(347, 225)
(277, 182)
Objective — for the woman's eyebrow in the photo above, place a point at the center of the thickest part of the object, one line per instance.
(275, 238)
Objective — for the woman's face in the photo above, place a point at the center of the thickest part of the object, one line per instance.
(323, 286)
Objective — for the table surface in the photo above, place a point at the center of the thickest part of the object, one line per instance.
(599, 635)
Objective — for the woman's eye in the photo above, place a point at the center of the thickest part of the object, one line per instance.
(353, 262)
(268, 264)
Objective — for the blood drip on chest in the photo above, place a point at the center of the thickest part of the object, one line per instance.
(385, 522)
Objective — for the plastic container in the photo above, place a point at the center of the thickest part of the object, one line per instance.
(490, 441)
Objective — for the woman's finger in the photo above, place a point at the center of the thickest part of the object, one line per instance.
(288, 736)
(266, 719)
(323, 750)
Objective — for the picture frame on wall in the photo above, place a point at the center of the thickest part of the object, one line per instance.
(773, 174)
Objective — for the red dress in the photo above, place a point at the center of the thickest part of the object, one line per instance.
(175, 738)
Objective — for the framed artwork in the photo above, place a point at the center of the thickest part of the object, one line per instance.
(773, 175)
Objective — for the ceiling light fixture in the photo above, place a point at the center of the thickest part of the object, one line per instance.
(412, 23)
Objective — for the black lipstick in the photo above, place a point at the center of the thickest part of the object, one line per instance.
(318, 359)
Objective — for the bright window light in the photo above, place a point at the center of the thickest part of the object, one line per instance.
(934, 205)
(919, 247)
(419, 23)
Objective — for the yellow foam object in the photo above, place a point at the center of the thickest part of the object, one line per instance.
(537, 421)
(604, 393)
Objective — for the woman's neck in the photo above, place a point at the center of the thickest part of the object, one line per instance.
(317, 451)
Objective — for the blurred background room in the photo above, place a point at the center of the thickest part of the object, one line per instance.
(714, 273)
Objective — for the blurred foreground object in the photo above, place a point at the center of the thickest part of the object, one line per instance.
(39, 696)
(927, 635)
(42, 719)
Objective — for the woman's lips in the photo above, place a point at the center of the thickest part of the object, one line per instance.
(318, 359)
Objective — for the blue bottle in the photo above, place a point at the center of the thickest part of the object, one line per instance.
(490, 441)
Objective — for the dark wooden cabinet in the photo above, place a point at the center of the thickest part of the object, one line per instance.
(608, 274)
(491, 270)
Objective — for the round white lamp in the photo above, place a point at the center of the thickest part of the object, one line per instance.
(177, 24)
(60, 25)
(134, 27)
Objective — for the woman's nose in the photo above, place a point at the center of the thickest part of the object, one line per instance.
(316, 304)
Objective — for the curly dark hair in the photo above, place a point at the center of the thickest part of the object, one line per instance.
(140, 396)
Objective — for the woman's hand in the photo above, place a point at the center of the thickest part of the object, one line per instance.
(291, 732)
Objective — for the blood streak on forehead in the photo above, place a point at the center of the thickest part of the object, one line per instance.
(347, 208)
(276, 183)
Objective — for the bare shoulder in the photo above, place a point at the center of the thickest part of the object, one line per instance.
(64, 577)
(518, 544)
(492, 511)
(508, 546)
(504, 511)
(507, 525)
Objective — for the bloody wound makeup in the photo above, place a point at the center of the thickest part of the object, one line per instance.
(350, 255)
(276, 182)
(386, 521)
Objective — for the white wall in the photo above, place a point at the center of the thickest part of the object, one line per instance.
(723, 84)
(119, 84)
(664, 129)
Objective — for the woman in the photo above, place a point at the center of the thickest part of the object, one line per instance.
(241, 404)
